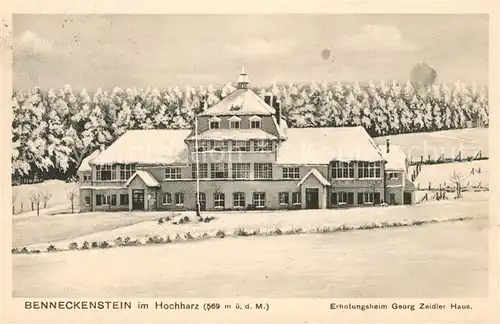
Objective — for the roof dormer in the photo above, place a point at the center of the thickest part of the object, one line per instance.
(214, 122)
(234, 122)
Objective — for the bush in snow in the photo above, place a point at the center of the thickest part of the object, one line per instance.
(51, 248)
(220, 234)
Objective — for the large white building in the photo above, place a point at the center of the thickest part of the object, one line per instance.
(248, 158)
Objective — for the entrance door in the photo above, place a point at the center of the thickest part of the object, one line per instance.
(138, 199)
(312, 198)
(407, 198)
(203, 201)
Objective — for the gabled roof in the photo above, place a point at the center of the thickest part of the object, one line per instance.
(240, 102)
(85, 166)
(148, 179)
(318, 176)
(233, 134)
(396, 158)
(322, 145)
(153, 146)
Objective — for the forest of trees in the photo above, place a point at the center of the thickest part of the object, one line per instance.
(52, 131)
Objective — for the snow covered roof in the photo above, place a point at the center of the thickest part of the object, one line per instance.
(103, 187)
(85, 166)
(282, 127)
(322, 145)
(148, 179)
(240, 102)
(396, 158)
(318, 176)
(153, 146)
(233, 134)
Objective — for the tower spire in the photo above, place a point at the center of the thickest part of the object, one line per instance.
(243, 80)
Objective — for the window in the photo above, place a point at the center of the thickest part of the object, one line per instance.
(259, 199)
(105, 172)
(203, 146)
(218, 171)
(86, 177)
(342, 198)
(113, 200)
(392, 175)
(173, 173)
(239, 199)
(290, 173)
(241, 170)
(241, 146)
(255, 124)
(214, 123)
(369, 169)
(296, 199)
(263, 171)
(342, 170)
(124, 199)
(179, 198)
(102, 200)
(263, 145)
(234, 122)
(283, 198)
(219, 200)
(220, 145)
(203, 171)
(126, 171)
(87, 200)
(166, 198)
(368, 197)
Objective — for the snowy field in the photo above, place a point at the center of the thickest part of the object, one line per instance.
(474, 173)
(448, 142)
(57, 203)
(396, 262)
(64, 229)
(49, 228)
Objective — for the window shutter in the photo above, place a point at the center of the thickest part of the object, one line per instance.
(334, 198)
(376, 197)
(350, 198)
(360, 198)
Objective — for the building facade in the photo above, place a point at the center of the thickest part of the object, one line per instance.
(241, 155)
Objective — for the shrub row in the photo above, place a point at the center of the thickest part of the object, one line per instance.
(155, 239)
(183, 220)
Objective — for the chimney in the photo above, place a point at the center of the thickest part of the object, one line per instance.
(267, 99)
(277, 107)
(388, 145)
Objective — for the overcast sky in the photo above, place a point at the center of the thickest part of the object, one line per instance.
(167, 50)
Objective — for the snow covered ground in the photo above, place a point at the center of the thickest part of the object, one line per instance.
(50, 228)
(448, 142)
(474, 173)
(437, 260)
(58, 201)
(109, 226)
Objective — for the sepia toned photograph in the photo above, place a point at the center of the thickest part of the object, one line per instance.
(250, 156)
